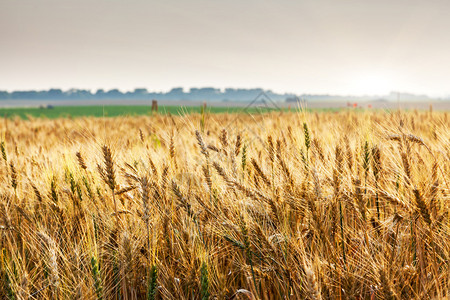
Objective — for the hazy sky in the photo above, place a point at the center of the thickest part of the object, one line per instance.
(316, 46)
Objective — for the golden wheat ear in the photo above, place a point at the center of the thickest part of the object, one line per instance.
(81, 161)
(109, 168)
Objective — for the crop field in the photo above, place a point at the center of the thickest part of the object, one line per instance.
(278, 205)
(118, 110)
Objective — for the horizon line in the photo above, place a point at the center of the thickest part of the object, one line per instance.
(187, 90)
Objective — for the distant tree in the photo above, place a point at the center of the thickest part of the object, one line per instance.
(114, 93)
(78, 94)
(4, 95)
(99, 94)
(24, 95)
(205, 92)
(177, 91)
(176, 94)
(55, 93)
(140, 91)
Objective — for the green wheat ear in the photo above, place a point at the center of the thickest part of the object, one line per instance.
(10, 294)
(97, 278)
(244, 157)
(307, 137)
(202, 119)
(53, 192)
(204, 281)
(151, 292)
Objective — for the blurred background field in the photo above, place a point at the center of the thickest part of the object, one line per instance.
(123, 110)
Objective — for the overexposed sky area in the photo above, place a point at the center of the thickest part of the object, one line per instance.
(316, 46)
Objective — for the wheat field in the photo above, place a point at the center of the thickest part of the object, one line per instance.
(281, 205)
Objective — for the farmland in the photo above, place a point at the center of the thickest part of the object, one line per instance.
(114, 110)
(271, 205)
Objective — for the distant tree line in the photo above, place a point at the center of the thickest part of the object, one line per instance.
(199, 94)
(206, 93)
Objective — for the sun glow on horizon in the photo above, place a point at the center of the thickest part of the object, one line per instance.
(373, 84)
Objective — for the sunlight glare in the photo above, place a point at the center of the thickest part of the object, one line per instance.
(373, 84)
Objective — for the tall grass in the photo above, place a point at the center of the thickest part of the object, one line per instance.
(281, 205)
